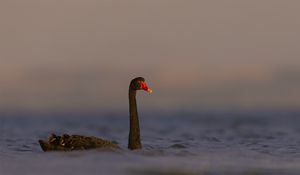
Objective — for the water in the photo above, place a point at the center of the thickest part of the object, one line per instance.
(251, 143)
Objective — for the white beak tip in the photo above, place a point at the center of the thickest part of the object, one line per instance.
(150, 91)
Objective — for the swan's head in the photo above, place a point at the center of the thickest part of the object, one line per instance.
(139, 84)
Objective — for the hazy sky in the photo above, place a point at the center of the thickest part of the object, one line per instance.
(195, 54)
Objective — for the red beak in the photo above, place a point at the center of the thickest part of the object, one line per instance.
(145, 87)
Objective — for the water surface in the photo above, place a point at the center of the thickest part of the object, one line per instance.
(182, 143)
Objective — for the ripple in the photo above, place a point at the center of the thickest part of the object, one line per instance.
(210, 139)
(159, 172)
(178, 146)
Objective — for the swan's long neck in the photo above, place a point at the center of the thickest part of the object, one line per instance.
(134, 140)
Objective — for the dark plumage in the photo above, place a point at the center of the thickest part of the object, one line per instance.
(76, 142)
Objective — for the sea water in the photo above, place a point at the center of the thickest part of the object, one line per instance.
(182, 143)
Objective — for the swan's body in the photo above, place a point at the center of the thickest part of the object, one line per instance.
(76, 142)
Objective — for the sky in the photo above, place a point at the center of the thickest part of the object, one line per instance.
(80, 55)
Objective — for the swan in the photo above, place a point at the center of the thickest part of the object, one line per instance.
(77, 142)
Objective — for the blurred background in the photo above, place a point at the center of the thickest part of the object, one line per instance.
(74, 55)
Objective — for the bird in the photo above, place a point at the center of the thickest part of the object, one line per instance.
(67, 142)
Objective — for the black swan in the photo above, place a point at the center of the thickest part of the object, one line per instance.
(76, 142)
